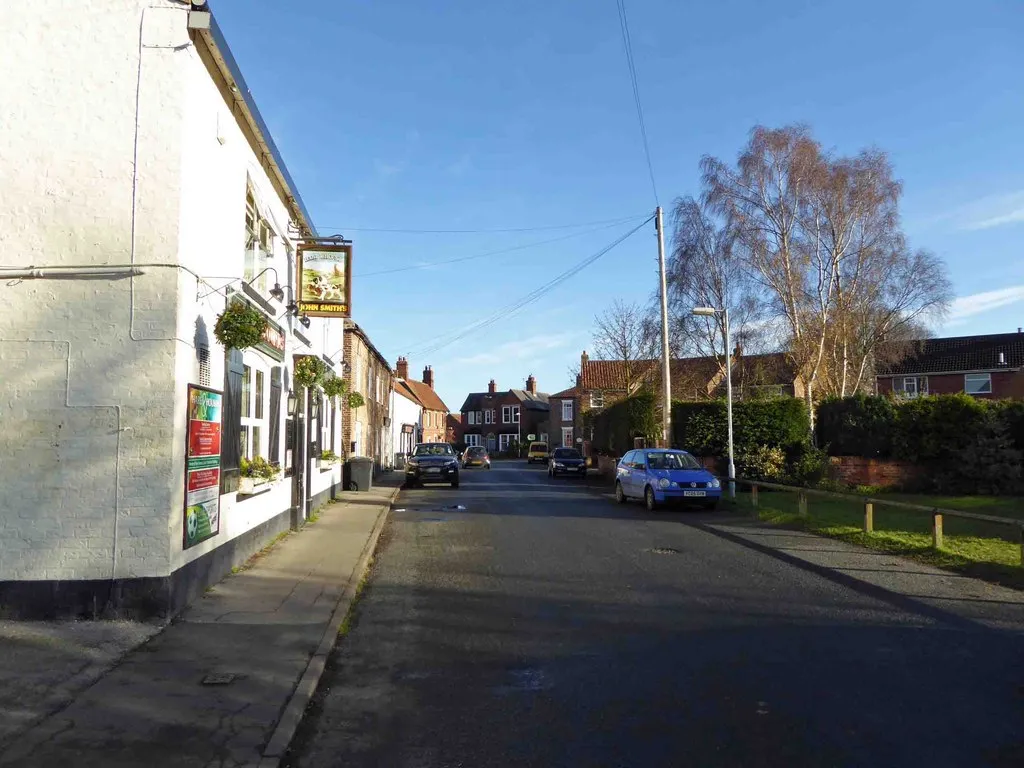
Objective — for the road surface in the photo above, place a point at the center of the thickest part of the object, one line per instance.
(544, 625)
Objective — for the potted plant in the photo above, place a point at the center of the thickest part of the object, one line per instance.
(257, 475)
(310, 372)
(240, 325)
(356, 400)
(328, 457)
(335, 387)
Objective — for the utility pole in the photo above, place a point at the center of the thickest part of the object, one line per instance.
(666, 410)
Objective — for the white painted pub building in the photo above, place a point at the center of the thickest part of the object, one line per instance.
(140, 191)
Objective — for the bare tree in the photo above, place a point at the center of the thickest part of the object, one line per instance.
(821, 236)
(625, 332)
(705, 270)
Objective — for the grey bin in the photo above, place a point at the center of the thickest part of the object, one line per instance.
(359, 473)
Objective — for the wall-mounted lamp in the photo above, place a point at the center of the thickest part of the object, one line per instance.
(293, 403)
(314, 407)
(277, 292)
(305, 321)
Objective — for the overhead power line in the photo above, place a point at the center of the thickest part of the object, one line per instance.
(496, 252)
(476, 231)
(510, 310)
(628, 45)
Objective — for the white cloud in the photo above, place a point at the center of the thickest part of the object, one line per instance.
(518, 350)
(992, 211)
(978, 303)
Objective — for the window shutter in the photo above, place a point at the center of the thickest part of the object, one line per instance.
(231, 421)
(275, 414)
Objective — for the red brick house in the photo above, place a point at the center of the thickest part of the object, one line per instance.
(601, 383)
(990, 366)
(433, 427)
(496, 419)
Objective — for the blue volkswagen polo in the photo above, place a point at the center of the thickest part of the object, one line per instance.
(659, 475)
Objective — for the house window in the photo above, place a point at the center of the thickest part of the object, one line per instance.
(567, 410)
(567, 437)
(504, 441)
(978, 383)
(597, 399)
(489, 416)
(473, 440)
(259, 244)
(911, 386)
(254, 423)
(510, 414)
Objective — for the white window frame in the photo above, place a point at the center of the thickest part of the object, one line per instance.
(597, 399)
(567, 406)
(506, 414)
(474, 441)
(985, 379)
(254, 444)
(489, 416)
(260, 242)
(505, 440)
(567, 437)
(918, 386)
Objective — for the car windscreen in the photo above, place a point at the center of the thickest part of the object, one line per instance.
(538, 446)
(476, 451)
(434, 449)
(566, 453)
(671, 461)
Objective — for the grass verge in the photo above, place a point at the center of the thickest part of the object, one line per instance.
(972, 548)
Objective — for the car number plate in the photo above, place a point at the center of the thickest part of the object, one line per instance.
(694, 493)
(437, 471)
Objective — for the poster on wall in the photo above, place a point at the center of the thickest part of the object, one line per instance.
(325, 280)
(202, 465)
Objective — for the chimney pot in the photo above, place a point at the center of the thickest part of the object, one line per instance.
(402, 368)
(492, 387)
(531, 385)
(428, 376)
(1002, 358)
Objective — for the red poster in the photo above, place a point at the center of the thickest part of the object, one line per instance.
(203, 478)
(203, 438)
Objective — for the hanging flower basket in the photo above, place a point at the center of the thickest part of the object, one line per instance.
(240, 325)
(335, 387)
(310, 372)
(356, 400)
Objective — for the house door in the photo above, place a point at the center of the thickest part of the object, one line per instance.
(492, 442)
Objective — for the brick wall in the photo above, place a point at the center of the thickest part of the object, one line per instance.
(856, 470)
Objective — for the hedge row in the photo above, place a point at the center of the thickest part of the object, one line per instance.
(702, 427)
(969, 445)
(616, 426)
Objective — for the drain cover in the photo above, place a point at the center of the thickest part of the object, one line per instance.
(663, 551)
(219, 678)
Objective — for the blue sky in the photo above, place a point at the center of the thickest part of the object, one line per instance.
(402, 114)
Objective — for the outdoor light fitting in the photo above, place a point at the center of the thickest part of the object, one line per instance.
(314, 408)
(293, 403)
(305, 321)
(705, 311)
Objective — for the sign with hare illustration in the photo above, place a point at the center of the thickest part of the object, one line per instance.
(325, 280)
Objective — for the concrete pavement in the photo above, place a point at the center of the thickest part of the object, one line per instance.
(227, 682)
(541, 625)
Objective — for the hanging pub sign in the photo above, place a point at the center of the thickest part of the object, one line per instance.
(202, 465)
(325, 280)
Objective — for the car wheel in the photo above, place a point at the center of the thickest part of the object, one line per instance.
(649, 500)
(620, 495)
(455, 483)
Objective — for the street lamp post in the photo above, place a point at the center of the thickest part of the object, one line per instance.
(711, 312)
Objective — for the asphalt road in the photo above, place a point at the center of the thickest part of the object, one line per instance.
(543, 625)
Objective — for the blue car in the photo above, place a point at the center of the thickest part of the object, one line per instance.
(658, 475)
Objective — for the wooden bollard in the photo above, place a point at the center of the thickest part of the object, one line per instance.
(937, 530)
(1022, 546)
(754, 501)
(801, 504)
(869, 517)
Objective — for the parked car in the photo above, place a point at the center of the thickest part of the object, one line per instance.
(538, 452)
(476, 456)
(659, 475)
(567, 461)
(432, 463)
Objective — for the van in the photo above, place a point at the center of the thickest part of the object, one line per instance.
(537, 452)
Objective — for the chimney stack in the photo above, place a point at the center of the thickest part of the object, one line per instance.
(428, 376)
(584, 359)
(402, 369)
(738, 352)
(531, 385)
(492, 387)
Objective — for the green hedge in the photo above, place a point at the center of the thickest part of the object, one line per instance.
(702, 427)
(616, 426)
(968, 445)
